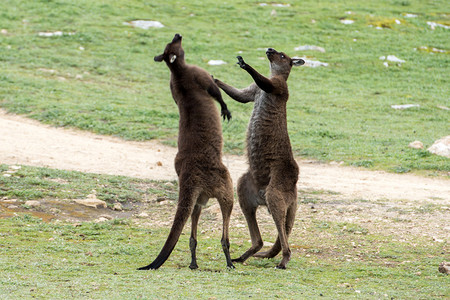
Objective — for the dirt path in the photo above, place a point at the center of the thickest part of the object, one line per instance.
(27, 142)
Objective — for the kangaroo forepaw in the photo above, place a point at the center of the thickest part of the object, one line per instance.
(241, 62)
(226, 114)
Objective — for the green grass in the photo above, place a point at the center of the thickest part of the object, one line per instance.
(333, 257)
(31, 183)
(55, 260)
(341, 112)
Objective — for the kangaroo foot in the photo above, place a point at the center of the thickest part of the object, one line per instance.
(265, 254)
(238, 260)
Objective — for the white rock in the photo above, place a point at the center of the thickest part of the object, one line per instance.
(416, 145)
(433, 25)
(218, 62)
(309, 47)
(441, 147)
(394, 58)
(144, 24)
(404, 106)
(410, 16)
(55, 33)
(347, 22)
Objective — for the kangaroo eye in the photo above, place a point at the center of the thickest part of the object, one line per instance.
(282, 56)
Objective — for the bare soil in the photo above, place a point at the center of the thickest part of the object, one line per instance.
(410, 204)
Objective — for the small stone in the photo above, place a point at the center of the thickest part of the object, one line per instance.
(9, 200)
(33, 203)
(118, 206)
(95, 203)
(441, 147)
(142, 215)
(108, 217)
(101, 219)
(416, 145)
(55, 210)
(444, 267)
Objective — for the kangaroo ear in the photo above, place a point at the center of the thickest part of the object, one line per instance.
(159, 58)
(297, 62)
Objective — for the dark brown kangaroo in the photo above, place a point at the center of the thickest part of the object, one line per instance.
(273, 172)
(198, 163)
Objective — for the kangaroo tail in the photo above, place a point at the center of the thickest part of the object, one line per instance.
(184, 210)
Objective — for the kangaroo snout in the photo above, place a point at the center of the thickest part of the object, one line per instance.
(270, 51)
(177, 38)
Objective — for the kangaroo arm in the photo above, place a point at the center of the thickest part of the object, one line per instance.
(261, 81)
(243, 96)
(214, 91)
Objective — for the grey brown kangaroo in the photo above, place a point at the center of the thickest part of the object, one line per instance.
(273, 173)
(198, 163)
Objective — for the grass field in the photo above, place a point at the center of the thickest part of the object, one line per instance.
(100, 75)
(341, 249)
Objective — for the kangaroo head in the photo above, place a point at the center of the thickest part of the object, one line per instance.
(280, 63)
(173, 53)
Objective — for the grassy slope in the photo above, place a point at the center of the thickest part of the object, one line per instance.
(341, 112)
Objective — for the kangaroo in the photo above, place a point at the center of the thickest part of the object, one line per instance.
(271, 179)
(198, 163)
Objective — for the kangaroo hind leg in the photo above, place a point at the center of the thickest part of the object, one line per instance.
(279, 203)
(248, 195)
(193, 239)
(225, 198)
(276, 248)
